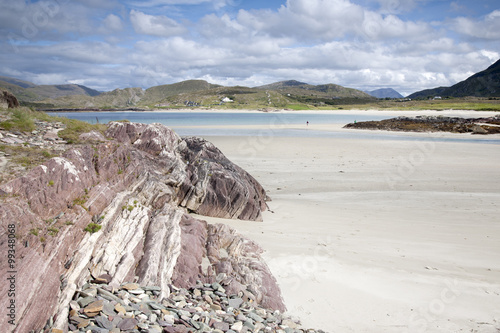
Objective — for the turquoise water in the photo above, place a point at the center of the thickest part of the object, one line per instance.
(213, 118)
(181, 122)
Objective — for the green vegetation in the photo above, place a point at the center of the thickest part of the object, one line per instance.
(34, 232)
(298, 107)
(28, 157)
(53, 231)
(21, 120)
(81, 201)
(69, 223)
(74, 128)
(51, 183)
(92, 227)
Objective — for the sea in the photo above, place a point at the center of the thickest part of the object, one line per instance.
(207, 124)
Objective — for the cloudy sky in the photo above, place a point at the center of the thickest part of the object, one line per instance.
(407, 45)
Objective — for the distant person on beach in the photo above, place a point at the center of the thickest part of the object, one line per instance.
(307, 123)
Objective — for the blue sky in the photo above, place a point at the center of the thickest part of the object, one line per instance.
(407, 45)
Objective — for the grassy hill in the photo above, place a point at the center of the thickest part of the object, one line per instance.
(297, 88)
(240, 97)
(483, 84)
(159, 94)
(118, 98)
(29, 92)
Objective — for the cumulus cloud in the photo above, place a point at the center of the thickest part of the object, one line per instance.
(112, 23)
(486, 28)
(162, 26)
(122, 44)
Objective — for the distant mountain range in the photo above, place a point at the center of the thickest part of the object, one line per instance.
(186, 93)
(30, 92)
(283, 94)
(483, 84)
(385, 93)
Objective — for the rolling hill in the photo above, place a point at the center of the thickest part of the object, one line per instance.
(284, 94)
(483, 84)
(29, 92)
(297, 88)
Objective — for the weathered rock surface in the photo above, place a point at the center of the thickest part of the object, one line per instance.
(489, 125)
(138, 186)
(7, 100)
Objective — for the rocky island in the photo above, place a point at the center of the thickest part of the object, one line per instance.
(490, 125)
(102, 238)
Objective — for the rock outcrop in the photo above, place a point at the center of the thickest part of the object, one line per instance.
(7, 100)
(132, 193)
(490, 125)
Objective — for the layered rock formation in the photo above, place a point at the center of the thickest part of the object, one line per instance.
(138, 186)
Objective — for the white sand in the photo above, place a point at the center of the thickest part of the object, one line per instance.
(378, 235)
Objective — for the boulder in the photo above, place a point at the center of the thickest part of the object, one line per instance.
(7, 100)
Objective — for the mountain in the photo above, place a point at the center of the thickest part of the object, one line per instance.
(17, 82)
(131, 97)
(29, 92)
(284, 85)
(159, 93)
(385, 93)
(483, 84)
(284, 94)
(297, 88)
(60, 90)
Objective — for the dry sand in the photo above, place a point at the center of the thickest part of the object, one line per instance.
(370, 235)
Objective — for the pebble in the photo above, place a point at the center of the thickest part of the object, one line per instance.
(205, 308)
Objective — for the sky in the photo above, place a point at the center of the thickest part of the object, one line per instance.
(407, 45)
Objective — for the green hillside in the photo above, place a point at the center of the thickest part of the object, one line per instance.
(483, 84)
(29, 92)
(158, 94)
(117, 98)
(297, 88)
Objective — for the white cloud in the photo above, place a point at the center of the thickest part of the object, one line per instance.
(486, 28)
(315, 41)
(112, 23)
(155, 25)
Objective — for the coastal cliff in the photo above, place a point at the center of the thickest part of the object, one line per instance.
(119, 206)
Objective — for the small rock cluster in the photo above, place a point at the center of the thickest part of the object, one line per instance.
(101, 307)
(44, 136)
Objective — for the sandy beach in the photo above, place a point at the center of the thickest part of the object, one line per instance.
(368, 235)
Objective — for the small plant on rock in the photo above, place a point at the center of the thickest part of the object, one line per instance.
(92, 228)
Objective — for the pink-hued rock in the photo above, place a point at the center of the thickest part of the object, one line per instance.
(138, 185)
(209, 250)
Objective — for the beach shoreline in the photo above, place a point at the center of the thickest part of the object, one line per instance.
(368, 235)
